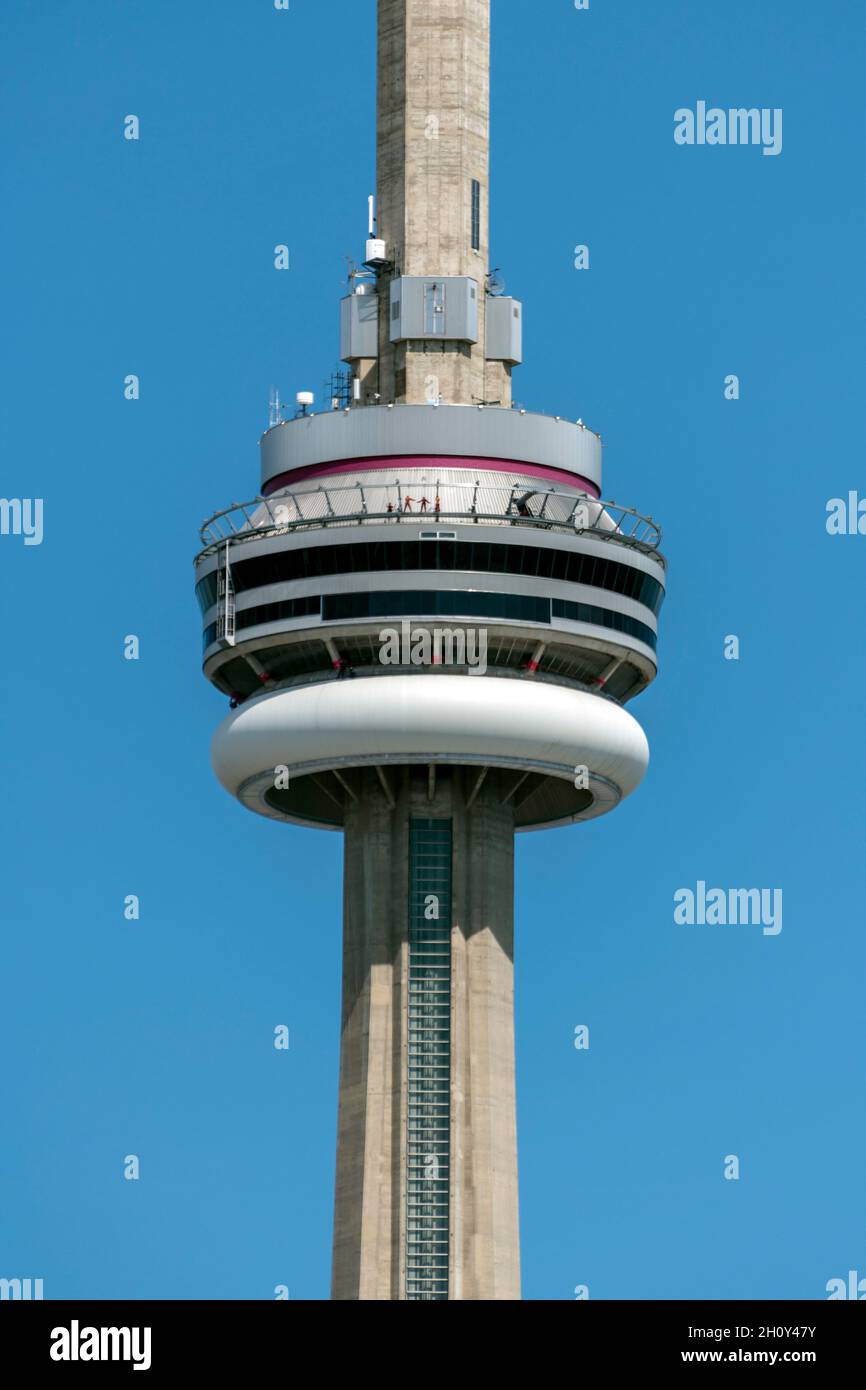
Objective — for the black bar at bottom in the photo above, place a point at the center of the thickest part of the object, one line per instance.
(164, 1339)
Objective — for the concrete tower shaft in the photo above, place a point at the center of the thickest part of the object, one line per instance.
(433, 191)
(426, 1190)
(433, 133)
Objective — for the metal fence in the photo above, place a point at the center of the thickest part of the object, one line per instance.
(378, 504)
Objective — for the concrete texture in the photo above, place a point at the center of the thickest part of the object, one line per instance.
(369, 1222)
(432, 141)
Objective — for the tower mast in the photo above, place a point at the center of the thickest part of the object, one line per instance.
(432, 162)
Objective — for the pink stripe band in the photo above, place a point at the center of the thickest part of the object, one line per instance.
(428, 461)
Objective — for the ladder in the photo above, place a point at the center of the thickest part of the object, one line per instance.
(226, 597)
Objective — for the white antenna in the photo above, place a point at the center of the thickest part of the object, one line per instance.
(275, 416)
(371, 211)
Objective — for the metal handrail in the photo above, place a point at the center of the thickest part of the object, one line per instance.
(267, 516)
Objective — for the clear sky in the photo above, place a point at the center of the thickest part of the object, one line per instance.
(155, 257)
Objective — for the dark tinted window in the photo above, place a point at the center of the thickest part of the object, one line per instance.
(588, 613)
(436, 603)
(270, 613)
(474, 556)
(430, 602)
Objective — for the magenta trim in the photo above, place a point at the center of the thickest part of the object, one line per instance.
(374, 465)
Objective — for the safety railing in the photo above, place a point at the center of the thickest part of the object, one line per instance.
(365, 505)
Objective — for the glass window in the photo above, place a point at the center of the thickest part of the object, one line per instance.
(476, 215)
(405, 556)
(604, 617)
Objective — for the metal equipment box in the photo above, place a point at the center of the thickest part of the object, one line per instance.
(359, 325)
(504, 330)
(444, 307)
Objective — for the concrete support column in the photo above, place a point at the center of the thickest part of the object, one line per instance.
(370, 1147)
(370, 1236)
(485, 1254)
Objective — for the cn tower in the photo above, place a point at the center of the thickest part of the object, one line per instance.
(429, 624)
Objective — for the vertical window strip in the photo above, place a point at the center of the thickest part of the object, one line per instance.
(428, 1137)
(476, 215)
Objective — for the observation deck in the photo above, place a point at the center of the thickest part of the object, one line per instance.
(441, 520)
(378, 503)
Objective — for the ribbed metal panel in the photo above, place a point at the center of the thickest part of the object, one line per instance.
(456, 430)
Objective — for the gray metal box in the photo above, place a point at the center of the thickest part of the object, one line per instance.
(359, 326)
(444, 307)
(504, 330)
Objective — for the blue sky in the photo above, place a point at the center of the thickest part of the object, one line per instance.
(156, 257)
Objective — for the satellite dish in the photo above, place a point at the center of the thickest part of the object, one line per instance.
(495, 283)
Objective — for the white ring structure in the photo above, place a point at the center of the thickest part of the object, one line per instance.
(435, 718)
